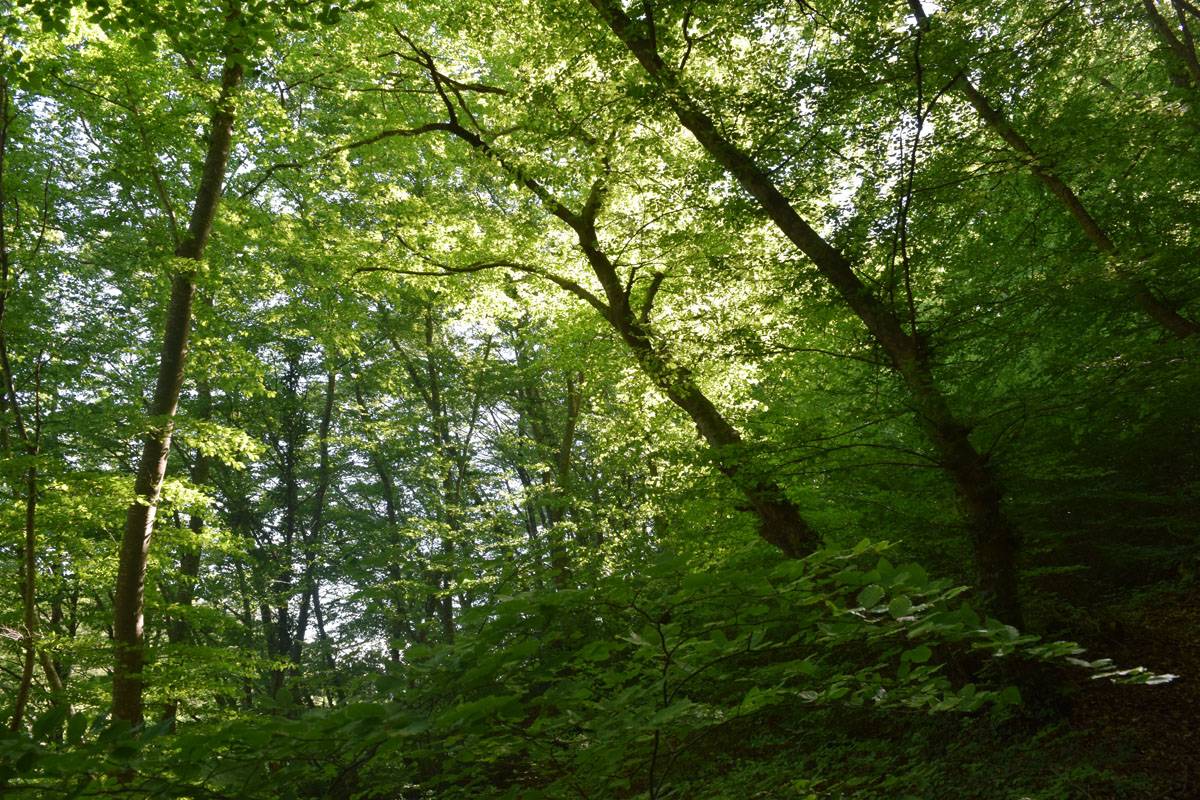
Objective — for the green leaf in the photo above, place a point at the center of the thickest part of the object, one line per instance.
(1009, 695)
(900, 606)
(871, 595)
(917, 655)
(76, 727)
(49, 721)
(596, 651)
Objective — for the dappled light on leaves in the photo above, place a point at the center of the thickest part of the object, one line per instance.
(590, 399)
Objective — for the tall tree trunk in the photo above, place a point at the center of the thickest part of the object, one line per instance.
(247, 620)
(252, 588)
(129, 597)
(400, 628)
(28, 598)
(288, 638)
(30, 439)
(324, 473)
(1142, 295)
(65, 623)
(323, 639)
(442, 578)
(993, 538)
(534, 412)
(561, 483)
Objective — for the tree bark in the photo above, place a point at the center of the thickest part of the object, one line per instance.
(993, 539)
(129, 597)
(324, 476)
(994, 119)
(780, 522)
(1181, 46)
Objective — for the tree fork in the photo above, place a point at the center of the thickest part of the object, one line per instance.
(1180, 46)
(780, 522)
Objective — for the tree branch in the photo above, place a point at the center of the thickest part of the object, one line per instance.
(648, 302)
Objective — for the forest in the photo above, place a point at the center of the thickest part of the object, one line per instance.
(600, 399)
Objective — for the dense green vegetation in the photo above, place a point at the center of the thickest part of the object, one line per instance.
(591, 399)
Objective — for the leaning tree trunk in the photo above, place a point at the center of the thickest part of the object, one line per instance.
(128, 600)
(993, 539)
(779, 520)
(1141, 294)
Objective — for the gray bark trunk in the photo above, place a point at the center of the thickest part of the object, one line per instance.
(128, 600)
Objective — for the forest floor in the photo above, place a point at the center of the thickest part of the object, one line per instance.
(1104, 741)
(1153, 732)
(1097, 741)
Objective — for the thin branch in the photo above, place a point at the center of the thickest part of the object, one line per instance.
(444, 270)
(688, 39)
(387, 133)
(160, 187)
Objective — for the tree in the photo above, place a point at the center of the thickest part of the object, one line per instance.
(994, 540)
(1162, 313)
(152, 465)
(432, 521)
